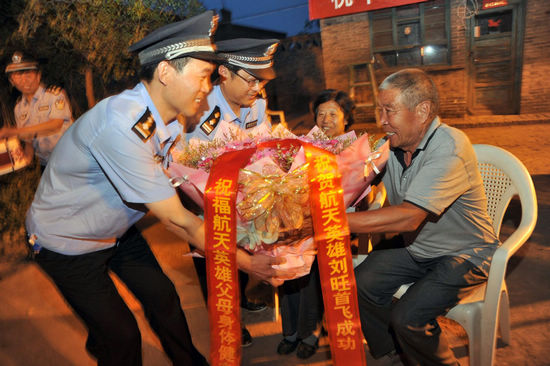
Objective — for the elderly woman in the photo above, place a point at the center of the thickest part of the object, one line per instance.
(301, 299)
(333, 112)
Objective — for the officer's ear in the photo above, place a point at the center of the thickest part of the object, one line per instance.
(223, 72)
(163, 72)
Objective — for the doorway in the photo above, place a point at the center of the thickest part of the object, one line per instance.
(495, 59)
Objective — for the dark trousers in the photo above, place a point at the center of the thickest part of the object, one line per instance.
(200, 267)
(113, 334)
(409, 324)
(302, 304)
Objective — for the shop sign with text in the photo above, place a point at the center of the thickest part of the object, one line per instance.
(319, 9)
(490, 4)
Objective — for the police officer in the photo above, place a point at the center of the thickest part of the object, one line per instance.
(41, 115)
(246, 68)
(106, 172)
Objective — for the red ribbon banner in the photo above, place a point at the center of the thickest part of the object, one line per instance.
(334, 254)
(221, 258)
(330, 224)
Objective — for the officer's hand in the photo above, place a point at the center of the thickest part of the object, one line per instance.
(54, 89)
(261, 266)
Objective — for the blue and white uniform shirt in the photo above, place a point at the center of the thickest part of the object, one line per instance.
(251, 119)
(102, 172)
(44, 106)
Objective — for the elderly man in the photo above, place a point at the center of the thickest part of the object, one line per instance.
(41, 115)
(438, 204)
(106, 172)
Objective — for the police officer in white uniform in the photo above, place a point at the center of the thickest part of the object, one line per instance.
(41, 115)
(246, 68)
(106, 172)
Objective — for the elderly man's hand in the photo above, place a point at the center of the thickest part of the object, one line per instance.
(290, 236)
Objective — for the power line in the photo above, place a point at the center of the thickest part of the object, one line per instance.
(269, 12)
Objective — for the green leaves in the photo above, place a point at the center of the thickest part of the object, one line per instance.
(73, 35)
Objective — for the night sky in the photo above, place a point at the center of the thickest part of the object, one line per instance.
(287, 16)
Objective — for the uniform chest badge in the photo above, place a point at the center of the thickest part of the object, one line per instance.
(251, 124)
(60, 103)
(145, 126)
(43, 108)
(211, 122)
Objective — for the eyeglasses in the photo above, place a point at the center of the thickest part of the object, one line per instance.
(254, 83)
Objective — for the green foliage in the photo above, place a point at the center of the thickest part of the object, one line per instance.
(100, 30)
(73, 35)
(16, 194)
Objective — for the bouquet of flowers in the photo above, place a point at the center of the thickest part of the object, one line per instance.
(273, 196)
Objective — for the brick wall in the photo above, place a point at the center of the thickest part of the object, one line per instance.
(535, 85)
(346, 41)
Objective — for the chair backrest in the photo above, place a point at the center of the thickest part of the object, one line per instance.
(505, 176)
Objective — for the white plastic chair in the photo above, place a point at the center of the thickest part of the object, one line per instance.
(504, 176)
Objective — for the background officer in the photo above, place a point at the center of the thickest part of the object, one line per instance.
(247, 66)
(41, 115)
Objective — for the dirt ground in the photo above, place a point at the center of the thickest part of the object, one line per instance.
(37, 327)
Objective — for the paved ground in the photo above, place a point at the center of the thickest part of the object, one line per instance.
(37, 328)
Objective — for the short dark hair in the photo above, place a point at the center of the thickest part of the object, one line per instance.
(146, 72)
(341, 98)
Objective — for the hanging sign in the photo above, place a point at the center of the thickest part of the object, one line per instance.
(490, 4)
(319, 9)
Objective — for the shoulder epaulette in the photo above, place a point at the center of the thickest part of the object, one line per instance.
(210, 123)
(145, 126)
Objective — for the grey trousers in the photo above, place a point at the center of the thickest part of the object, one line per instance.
(409, 325)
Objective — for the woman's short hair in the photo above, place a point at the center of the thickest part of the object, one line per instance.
(341, 98)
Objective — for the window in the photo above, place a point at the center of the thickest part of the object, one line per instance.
(411, 35)
(493, 23)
